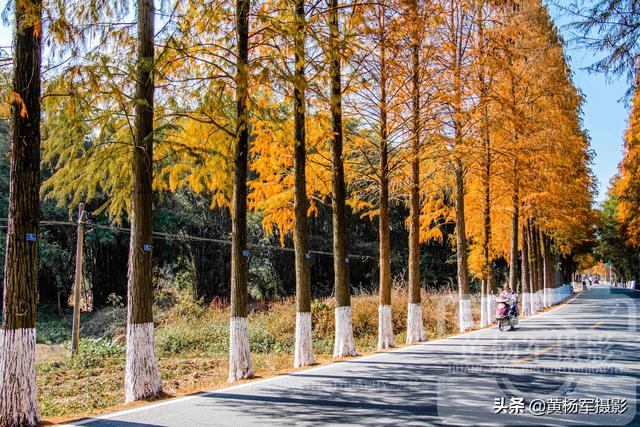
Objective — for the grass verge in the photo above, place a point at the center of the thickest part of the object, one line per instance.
(192, 345)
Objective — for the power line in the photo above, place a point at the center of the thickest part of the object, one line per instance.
(185, 237)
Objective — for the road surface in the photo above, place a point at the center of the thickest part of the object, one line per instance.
(557, 368)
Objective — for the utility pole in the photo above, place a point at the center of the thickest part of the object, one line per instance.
(75, 331)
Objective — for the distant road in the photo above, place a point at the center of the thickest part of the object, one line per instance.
(583, 357)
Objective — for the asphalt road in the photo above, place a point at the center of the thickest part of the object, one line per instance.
(568, 364)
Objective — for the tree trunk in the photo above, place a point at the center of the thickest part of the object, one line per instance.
(540, 269)
(465, 315)
(526, 295)
(515, 227)
(545, 271)
(487, 291)
(303, 347)
(466, 319)
(557, 276)
(492, 292)
(541, 278)
(18, 405)
(385, 325)
(533, 271)
(486, 307)
(142, 376)
(547, 267)
(489, 274)
(239, 355)
(415, 324)
(344, 342)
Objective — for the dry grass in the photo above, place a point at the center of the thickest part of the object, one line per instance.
(192, 343)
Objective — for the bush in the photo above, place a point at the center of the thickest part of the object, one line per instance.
(108, 323)
(52, 329)
(322, 318)
(185, 307)
(179, 337)
(262, 341)
(189, 329)
(98, 347)
(93, 352)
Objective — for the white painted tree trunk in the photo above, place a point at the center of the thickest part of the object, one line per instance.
(491, 308)
(239, 353)
(465, 315)
(142, 376)
(415, 324)
(484, 311)
(526, 304)
(344, 344)
(534, 303)
(18, 404)
(546, 297)
(539, 301)
(385, 327)
(304, 343)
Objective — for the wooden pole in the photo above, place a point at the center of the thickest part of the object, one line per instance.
(75, 330)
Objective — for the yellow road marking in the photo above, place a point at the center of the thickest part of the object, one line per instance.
(598, 323)
(534, 355)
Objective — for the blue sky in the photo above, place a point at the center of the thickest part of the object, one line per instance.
(604, 116)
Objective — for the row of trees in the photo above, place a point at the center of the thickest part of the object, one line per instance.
(612, 28)
(462, 110)
(620, 226)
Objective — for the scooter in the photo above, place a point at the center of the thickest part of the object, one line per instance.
(506, 314)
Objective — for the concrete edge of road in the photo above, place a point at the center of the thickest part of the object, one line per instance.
(170, 401)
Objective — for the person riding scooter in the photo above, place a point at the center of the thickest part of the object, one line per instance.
(507, 308)
(507, 295)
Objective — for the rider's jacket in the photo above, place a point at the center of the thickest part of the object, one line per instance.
(510, 296)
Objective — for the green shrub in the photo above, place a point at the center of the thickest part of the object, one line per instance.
(185, 308)
(183, 338)
(190, 329)
(107, 323)
(93, 352)
(100, 347)
(55, 331)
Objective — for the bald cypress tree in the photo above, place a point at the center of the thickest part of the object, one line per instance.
(142, 376)
(239, 354)
(526, 289)
(415, 325)
(303, 346)
(18, 406)
(344, 343)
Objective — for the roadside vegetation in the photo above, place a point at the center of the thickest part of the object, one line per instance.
(192, 342)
